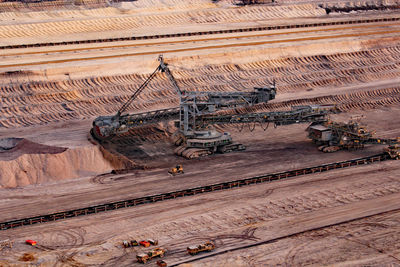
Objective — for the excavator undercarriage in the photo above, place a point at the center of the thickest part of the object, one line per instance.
(333, 136)
(205, 143)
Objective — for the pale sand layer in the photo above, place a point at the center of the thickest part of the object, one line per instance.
(39, 168)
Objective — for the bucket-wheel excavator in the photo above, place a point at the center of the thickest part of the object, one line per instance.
(198, 111)
(193, 106)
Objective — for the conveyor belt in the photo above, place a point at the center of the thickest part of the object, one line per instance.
(189, 192)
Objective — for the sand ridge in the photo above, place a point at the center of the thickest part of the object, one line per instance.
(27, 162)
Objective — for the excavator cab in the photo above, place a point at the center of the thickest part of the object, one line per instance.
(178, 169)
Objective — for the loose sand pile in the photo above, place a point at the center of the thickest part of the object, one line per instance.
(12, 148)
(23, 162)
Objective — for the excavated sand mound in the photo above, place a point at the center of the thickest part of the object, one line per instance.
(23, 162)
(12, 148)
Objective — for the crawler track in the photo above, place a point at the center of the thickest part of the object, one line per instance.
(190, 192)
(188, 34)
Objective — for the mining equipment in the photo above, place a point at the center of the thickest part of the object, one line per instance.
(153, 242)
(333, 136)
(207, 246)
(199, 111)
(178, 169)
(144, 243)
(31, 242)
(128, 244)
(215, 142)
(193, 136)
(144, 257)
(393, 151)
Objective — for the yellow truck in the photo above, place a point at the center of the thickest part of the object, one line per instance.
(144, 257)
(208, 246)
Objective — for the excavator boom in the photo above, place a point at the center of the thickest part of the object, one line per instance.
(136, 93)
(105, 127)
(193, 105)
(298, 114)
(163, 67)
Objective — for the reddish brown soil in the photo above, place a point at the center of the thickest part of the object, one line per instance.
(24, 146)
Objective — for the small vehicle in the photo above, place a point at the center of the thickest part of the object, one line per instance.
(144, 243)
(144, 257)
(6, 243)
(208, 246)
(128, 244)
(161, 263)
(393, 151)
(178, 169)
(153, 242)
(30, 242)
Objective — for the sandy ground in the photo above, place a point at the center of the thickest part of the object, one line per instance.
(50, 95)
(232, 219)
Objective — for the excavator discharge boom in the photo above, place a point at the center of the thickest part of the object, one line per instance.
(209, 141)
(298, 114)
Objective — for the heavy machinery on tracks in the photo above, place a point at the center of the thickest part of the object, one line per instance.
(333, 136)
(393, 151)
(215, 142)
(199, 111)
(193, 136)
(178, 169)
